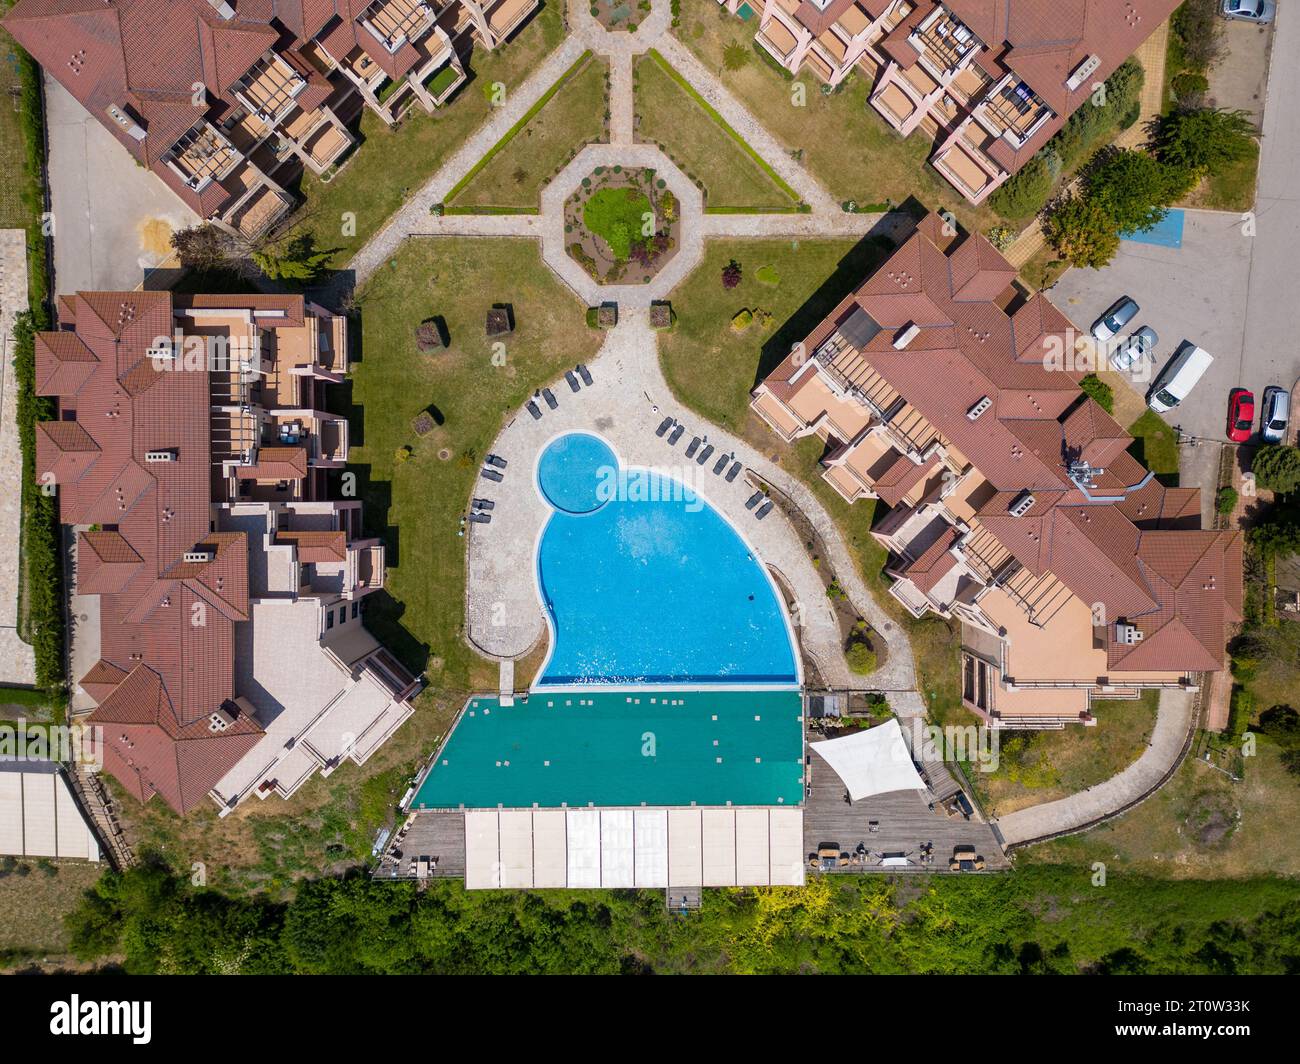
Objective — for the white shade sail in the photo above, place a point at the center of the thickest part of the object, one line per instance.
(872, 761)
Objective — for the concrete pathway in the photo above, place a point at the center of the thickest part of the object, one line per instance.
(17, 659)
(1174, 720)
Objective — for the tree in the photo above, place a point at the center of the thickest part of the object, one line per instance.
(1082, 232)
(1277, 467)
(298, 260)
(1198, 33)
(204, 248)
(861, 658)
(1204, 140)
(731, 274)
(735, 56)
(1026, 192)
(1134, 188)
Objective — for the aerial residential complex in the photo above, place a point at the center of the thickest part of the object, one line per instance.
(1014, 503)
(222, 652)
(228, 101)
(989, 81)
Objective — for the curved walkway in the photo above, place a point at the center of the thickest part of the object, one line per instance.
(1174, 720)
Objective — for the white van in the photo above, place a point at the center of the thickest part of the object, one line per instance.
(1178, 377)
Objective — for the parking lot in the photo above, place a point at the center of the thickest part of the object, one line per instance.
(1198, 292)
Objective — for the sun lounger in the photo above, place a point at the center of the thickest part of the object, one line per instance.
(733, 472)
(675, 436)
(481, 519)
(549, 396)
(493, 475)
(705, 454)
(764, 510)
(753, 500)
(585, 374)
(484, 504)
(720, 465)
(496, 460)
(573, 381)
(692, 447)
(535, 410)
(664, 426)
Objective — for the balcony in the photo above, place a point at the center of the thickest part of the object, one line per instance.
(1013, 111)
(944, 41)
(507, 15)
(778, 40)
(395, 23)
(369, 563)
(270, 89)
(203, 155)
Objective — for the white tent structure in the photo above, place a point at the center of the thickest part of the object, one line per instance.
(872, 761)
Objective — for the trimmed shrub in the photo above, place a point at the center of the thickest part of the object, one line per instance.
(1099, 391)
(861, 658)
(1225, 501)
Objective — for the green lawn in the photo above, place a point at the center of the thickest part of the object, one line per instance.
(416, 505)
(707, 152)
(617, 215)
(14, 213)
(571, 119)
(842, 140)
(1155, 445)
(1037, 767)
(1231, 189)
(390, 164)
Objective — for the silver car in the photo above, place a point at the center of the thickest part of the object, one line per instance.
(1140, 345)
(1274, 414)
(1259, 12)
(1108, 326)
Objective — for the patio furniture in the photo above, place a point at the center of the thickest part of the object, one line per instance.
(720, 465)
(535, 410)
(692, 447)
(481, 519)
(664, 426)
(705, 454)
(764, 510)
(493, 475)
(676, 435)
(572, 381)
(733, 472)
(484, 504)
(496, 460)
(753, 500)
(585, 374)
(549, 396)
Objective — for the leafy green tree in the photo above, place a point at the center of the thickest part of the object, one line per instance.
(1135, 188)
(298, 260)
(1204, 140)
(1277, 467)
(1025, 193)
(1083, 232)
(735, 56)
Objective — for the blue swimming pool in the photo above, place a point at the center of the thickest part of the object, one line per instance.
(645, 583)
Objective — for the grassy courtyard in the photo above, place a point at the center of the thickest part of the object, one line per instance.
(839, 137)
(707, 150)
(390, 164)
(571, 119)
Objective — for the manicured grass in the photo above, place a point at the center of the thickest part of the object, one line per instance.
(416, 505)
(542, 143)
(1037, 767)
(842, 140)
(1155, 445)
(442, 80)
(617, 215)
(701, 142)
(390, 164)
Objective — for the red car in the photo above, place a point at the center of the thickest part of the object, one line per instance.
(1241, 414)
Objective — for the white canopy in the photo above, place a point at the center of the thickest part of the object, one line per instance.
(872, 761)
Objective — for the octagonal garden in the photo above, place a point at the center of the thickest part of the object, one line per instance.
(622, 225)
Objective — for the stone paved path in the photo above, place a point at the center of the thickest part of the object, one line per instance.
(17, 659)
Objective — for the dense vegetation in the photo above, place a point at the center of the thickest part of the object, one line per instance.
(1041, 919)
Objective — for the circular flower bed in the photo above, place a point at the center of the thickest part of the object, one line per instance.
(621, 226)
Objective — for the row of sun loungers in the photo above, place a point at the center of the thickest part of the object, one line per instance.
(763, 510)
(693, 450)
(492, 466)
(571, 377)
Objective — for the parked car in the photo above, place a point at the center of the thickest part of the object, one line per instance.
(1274, 413)
(1140, 345)
(1241, 414)
(1108, 326)
(1259, 12)
(1178, 378)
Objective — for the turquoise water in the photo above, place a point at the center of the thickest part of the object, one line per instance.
(645, 583)
(622, 748)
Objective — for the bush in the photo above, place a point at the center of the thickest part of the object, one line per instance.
(731, 274)
(1277, 467)
(1198, 33)
(1026, 192)
(1099, 391)
(861, 658)
(1190, 87)
(735, 56)
(1091, 121)
(742, 321)
(1225, 501)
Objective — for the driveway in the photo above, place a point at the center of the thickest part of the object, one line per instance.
(1197, 292)
(113, 219)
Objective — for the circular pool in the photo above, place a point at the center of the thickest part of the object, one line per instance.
(577, 473)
